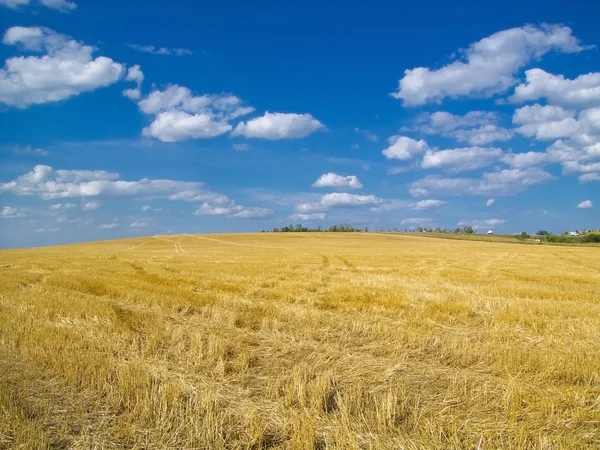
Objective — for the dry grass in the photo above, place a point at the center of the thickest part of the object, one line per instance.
(316, 341)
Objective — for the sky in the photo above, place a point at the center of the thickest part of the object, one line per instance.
(122, 119)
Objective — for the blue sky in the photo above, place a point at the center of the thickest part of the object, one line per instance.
(121, 119)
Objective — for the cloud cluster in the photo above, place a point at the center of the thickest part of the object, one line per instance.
(504, 182)
(66, 68)
(179, 115)
(475, 127)
(338, 181)
(233, 210)
(273, 126)
(487, 67)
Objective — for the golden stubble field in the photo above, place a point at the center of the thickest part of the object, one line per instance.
(300, 341)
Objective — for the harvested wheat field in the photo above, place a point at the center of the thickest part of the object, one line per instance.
(300, 341)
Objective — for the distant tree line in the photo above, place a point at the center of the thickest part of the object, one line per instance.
(343, 228)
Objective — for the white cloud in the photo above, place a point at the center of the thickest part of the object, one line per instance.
(48, 184)
(134, 74)
(367, 134)
(253, 213)
(483, 135)
(338, 181)
(428, 204)
(66, 69)
(233, 210)
(173, 126)
(8, 212)
(461, 159)
(179, 115)
(442, 121)
(490, 202)
(160, 50)
(589, 177)
(478, 224)
(108, 226)
(487, 67)
(524, 160)
(545, 122)
(138, 224)
(585, 204)
(418, 192)
(582, 92)
(274, 126)
(308, 217)
(475, 127)
(90, 206)
(504, 182)
(60, 5)
(338, 200)
(404, 148)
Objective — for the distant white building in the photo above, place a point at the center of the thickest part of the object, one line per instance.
(490, 231)
(574, 233)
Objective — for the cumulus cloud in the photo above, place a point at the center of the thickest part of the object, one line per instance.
(545, 122)
(585, 204)
(478, 224)
(308, 217)
(60, 5)
(8, 212)
(490, 202)
(404, 148)
(179, 115)
(338, 181)
(274, 126)
(475, 127)
(589, 177)
(338, 200)
(160, 50)
(582, 92)
(66, 69)
(504, 182)
(48, 184)
(524, 160)
(460, 159)
(487, 67)
(134, 74)
(482, 135)
(428, 204)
